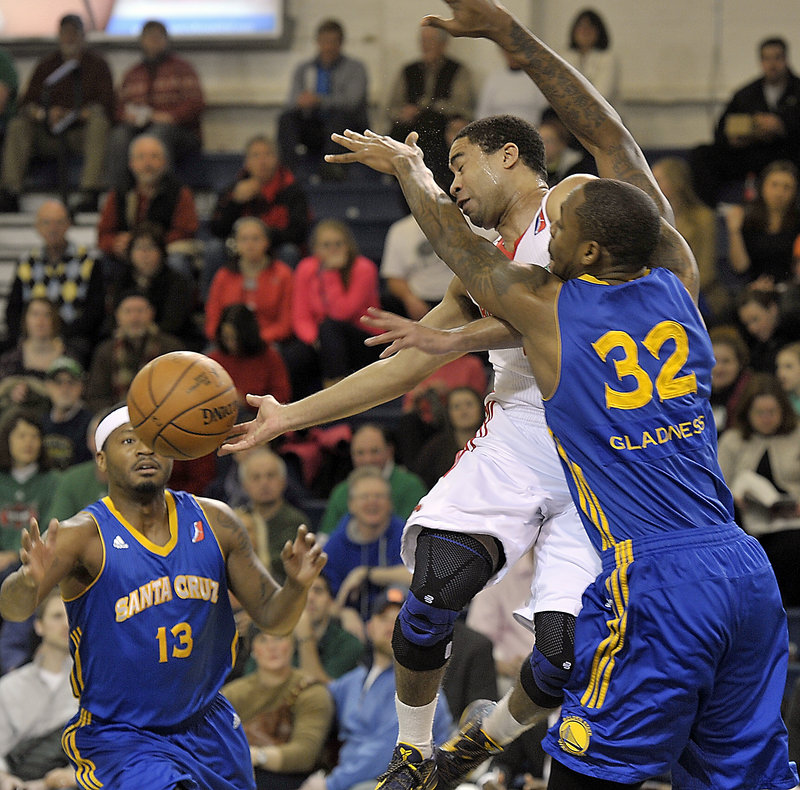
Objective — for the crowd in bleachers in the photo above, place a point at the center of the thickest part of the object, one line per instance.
(273, 287)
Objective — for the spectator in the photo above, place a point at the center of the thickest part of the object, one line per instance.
(285, 713)
(64, 427)
(364, 549)
(160, 95)
(760, 460)
(425, 94)
(333, 288)
(135, 341)
(65, 274)
(254, 366)
(328, 94)
(26, 485)
(171, 292)
(154, 194)
(365, 707)
(370, 446)
(69, 102)
(761, 235)
(23, 369)
(323, 649)
(767, 327)
(9, 85)
(697, 223)
(591, 54)
(761, 124)
(464, 416)
(787, 369)
(266, 189)
(509, 91)
(36, 702)
(256, 279)
(730, 375)
(560, 159)
(269, 518)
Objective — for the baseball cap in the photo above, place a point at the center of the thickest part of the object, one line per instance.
(394, 594)
(65, 365)
(71, 19)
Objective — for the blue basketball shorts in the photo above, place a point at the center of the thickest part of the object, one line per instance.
(210, 754)
(680, 664)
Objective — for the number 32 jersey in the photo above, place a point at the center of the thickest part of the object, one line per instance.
(630, 414)
(153, 637)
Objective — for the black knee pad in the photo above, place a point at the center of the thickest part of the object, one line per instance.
(449, 570)
(547, 670)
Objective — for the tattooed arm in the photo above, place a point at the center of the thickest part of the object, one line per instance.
(272, 607)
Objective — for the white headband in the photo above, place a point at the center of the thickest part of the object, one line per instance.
(110, 423)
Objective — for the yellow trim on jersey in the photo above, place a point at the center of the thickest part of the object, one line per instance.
(172, 513)
(234, 649)
(84, 769)
(589, 503)
(590, 278)
(605, 655)
(99, 573)
(211, 527)
(76, 675)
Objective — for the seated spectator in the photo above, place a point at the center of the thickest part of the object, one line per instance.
(286, 714)
(64, 427)
(760, 124)
(266, 189)
(24, 368)
(269, 518)
(561, 159)
(254, 366)
(65, 274)
(761, 235)
(425, 94)
(370, 446)
(328, 94)
(787, 369)
(323, 649)
(160, 95)
(591, 54)
(69, 102)
(333, 288)
(364, 549)
(152, 193)
(508, 90)
(171, 292)
(730, 375)
(9, 85)
(761, 464)
(256, 279)
(697, 223)
(135, 341)
(36, 702)
(464, 415)
(26, 484)
(364, 699)
(767, 327)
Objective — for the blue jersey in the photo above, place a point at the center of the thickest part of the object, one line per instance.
(630, 414)
(153, 636)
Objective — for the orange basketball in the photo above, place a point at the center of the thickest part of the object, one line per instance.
(182, 404)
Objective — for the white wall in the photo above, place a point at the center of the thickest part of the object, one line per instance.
(680, 59)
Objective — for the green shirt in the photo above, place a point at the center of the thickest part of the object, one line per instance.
(339, 650)
(77, 488)
(19, 502)
(407, 490)
(9, 78)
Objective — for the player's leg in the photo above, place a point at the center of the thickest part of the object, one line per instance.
(563, 778)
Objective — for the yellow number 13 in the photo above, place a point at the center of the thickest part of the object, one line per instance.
(668, 384)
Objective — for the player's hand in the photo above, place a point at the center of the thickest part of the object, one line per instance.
(400, 333)
(303, 558)
(37, 552)
(471, 19)
(264, 428)
(380, 152)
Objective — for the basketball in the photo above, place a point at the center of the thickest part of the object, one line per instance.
(182, 405)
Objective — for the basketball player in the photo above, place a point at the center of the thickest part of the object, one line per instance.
(145, 574)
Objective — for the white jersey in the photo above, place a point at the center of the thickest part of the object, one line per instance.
(515, 388)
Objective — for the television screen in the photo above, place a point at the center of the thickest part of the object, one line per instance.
(25, 19)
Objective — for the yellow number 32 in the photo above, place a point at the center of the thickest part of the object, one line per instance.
(668, 384)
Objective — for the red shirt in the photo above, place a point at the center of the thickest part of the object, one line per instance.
(263, 374)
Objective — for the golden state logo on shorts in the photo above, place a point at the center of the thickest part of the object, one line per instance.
(574, 735)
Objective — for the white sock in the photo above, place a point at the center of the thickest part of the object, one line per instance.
(501, 726)
(416, 725)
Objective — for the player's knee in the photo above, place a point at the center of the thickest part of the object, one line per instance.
(548, 668)
(422, 635)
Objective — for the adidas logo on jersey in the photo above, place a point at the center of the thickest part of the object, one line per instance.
(119, 543)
